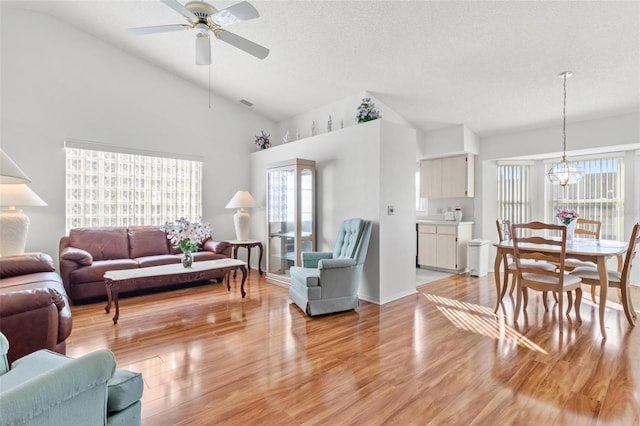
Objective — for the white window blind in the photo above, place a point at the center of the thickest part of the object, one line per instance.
(598, 196)
(106, 188)
(514, 198)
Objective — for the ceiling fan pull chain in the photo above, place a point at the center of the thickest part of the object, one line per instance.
(209, 86)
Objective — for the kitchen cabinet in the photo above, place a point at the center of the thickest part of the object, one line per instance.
(449, 177)
(444, 246)
(291, 216)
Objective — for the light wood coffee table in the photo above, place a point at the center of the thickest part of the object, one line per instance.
(199, 271)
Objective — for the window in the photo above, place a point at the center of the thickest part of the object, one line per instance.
(421, 203)
(514, 199)
(105, 188)
(598, 196)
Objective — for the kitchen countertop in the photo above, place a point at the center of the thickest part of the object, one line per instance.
(442, 222)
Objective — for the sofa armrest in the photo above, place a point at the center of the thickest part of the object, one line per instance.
(69, 391)
(15, 302)
(23, 264)
(74, 254)
(310, 258)
(219, 247)
(30, 320)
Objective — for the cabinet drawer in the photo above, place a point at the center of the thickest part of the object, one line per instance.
(447, 230)
(427, 229)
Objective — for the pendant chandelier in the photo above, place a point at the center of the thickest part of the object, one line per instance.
(562, 173)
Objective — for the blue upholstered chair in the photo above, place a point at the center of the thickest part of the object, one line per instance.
(328, 281)
(46, 388)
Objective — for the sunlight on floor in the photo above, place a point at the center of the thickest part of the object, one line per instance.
(481, 320)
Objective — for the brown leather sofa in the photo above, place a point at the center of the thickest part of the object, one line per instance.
(34, 308)
(87, 253)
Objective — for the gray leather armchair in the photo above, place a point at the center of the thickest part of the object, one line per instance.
(328, 281)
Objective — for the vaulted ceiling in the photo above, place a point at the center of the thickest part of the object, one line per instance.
(491, 65)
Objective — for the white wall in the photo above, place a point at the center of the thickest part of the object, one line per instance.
(58, 83)
(359, 170)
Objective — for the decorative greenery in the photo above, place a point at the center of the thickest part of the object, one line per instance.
(566, 216)
(263, 140)
(186, 235)
(367, 111)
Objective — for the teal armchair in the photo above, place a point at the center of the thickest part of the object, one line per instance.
(46, 388)
(328, 281)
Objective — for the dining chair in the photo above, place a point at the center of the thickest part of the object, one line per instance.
(590, 229)
(532, 245)
(504, 234)
(617, 279)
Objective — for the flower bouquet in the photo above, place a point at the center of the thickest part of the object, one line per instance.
(367, 111)
(566, 216)
(186, 236)
(262, 140)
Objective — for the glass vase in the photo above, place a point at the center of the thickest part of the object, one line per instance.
(571, 228)
(187, 259)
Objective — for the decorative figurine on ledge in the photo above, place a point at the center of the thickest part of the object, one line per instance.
(329, 123)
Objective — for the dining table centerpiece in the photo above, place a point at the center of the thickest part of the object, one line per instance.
(567, 217)
(187, 236)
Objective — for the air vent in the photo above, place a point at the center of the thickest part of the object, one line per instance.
(246, 102)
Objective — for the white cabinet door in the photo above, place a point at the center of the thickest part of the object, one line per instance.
(427, 246)
(454, 177)
(431, 178)
(447, 247)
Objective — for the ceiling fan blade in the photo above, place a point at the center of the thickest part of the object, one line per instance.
(243, 44)
(159, 29)
(203, 50)
(242, 11)
(173, 4)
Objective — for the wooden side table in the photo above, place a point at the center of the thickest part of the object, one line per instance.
(248, 244)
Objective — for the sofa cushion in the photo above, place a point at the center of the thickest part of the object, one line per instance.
(77, 255)
(124, 389)
(147, 241)
(96, 271)
(12, 266)
(105, 242)
(164, 259)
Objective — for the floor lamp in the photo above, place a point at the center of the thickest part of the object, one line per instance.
(242, 200)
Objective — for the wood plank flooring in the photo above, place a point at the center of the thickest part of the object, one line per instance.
(439, 357)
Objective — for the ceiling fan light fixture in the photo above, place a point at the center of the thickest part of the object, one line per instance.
(203, 49)
(563, 173)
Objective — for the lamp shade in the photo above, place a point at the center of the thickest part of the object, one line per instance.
(10, 172)
(242, 200)
(19, 194)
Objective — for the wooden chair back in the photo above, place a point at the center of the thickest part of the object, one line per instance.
(632, 250)
(587, 227)
(538, 234)
(504, 229)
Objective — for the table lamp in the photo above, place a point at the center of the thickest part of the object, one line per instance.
(10, 172)
(242, 200)
(13, 223)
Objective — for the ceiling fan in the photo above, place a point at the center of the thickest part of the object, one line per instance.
(203, 18)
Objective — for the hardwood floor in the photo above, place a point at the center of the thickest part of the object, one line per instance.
(438, 357)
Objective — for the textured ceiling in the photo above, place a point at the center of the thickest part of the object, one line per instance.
(490, 65)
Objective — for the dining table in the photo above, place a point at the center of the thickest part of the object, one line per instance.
(585, 249)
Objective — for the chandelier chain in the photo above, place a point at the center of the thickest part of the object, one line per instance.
(564, 118)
